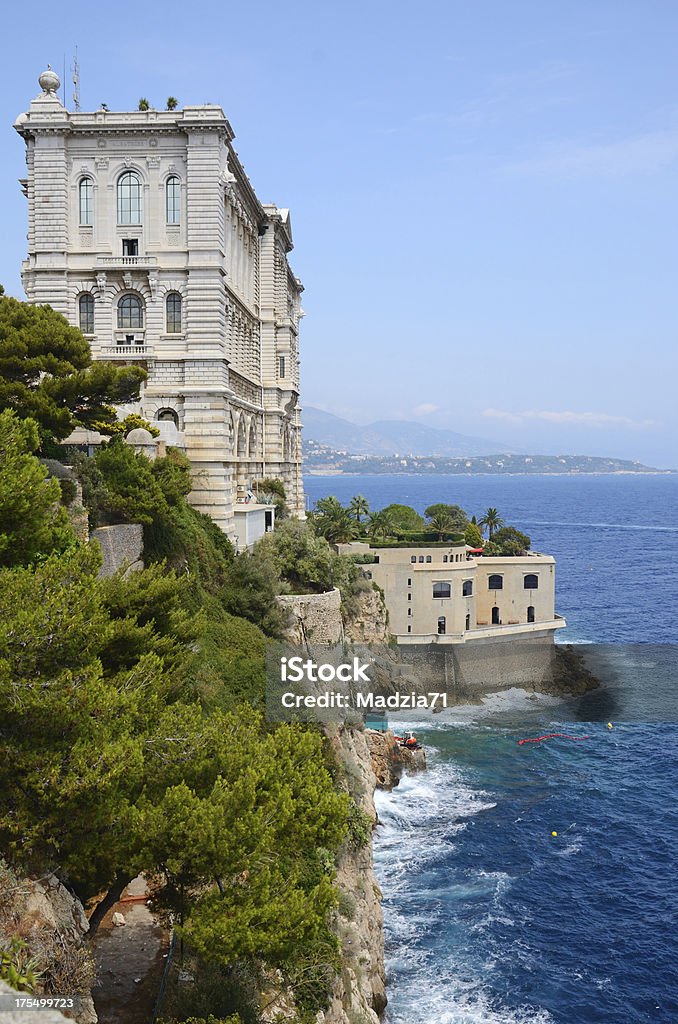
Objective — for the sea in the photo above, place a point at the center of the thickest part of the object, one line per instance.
(537, 883)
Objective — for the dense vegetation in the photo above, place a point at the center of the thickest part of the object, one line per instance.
(403, 525)
(131, 737)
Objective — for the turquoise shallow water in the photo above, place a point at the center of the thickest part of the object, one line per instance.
(490, 919)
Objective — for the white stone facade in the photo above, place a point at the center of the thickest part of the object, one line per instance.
(144, 230)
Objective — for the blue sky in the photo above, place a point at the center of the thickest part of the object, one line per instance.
(483, 194)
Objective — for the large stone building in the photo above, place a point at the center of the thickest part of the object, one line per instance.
(144, 230)
(447, 595)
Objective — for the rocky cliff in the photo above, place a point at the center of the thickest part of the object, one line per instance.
(50, 923)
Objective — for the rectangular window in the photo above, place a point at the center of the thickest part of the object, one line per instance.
(130, 246)
(409, 581)
(409, 611)
(409, 597)
(281, 367)
(86, 202)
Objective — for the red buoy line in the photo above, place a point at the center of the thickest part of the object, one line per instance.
(552, 736)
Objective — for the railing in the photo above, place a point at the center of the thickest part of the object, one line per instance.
(126, 351)
(127, 261)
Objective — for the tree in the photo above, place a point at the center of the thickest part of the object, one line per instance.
(380, 525)
(442, 523)
(144, 104)
(456, 514)
(359, 507)
(332, 521)
(472, 536)
(240, 847)
(492, 520)
(272, 491)
(47, 373)
(509, 541)
(403, 518)
(33, 523)
(172, 103)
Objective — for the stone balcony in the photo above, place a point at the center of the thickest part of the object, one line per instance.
(110, 352)
(127, 261)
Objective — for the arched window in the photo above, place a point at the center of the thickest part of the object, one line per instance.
(467, 588)
(173, 200)
(495, 582)
(130, 312)
(495, 616)
(531, 581)
(442, 590)
(86, 199)
(468, 622)
(173, 313)
(86, 313)
(413, 558)
(421, 558)
(442, 625)
(428, 558)
(167, 416)
(129, 198)
(444, 558)
(530, 613)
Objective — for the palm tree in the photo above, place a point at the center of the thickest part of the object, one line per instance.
(380, 524)
(359, 507)
(441, 523)
(332, 521)
(492, 520)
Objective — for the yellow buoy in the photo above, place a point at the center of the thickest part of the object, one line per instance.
(609, 725)
(554, 833)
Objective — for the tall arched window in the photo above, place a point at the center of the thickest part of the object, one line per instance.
(86, 199)
(442, 590)
(531, 581)
(442, 625)
(495, 582)
(130, 312)
(530, 613)
(173, 200)
(173, 312)
(129, 198)
(86, 313)
(467, 588)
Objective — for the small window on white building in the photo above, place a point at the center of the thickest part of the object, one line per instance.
(442, 590)
(428, 558)
(281, 367)
(531, 581)
(86, 200)
(467, 588)
(173, 313)
(442, 625)
(173, 200)
(409, 611)
(413, 558)
(495, 582)
(86, 313)
(530, 613)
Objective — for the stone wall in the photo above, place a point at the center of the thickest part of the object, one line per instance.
(313, 618)
(121, 546)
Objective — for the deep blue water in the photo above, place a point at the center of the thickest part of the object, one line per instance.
(489, 918)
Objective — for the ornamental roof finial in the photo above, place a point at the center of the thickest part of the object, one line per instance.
(49, 81)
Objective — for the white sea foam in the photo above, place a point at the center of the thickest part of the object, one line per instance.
(420, 821)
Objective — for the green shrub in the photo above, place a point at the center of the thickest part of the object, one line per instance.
(359, 827)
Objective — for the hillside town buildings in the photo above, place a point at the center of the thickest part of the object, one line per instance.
(145, 232)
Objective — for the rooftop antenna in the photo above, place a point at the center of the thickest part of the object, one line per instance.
(76, 81)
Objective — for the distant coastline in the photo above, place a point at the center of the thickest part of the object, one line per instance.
(321, 460)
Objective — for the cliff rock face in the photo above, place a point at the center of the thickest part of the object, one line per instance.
(389, 759)
(367, 622)
(52, 923)
(359, 995)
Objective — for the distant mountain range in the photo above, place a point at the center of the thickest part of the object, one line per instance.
(394, 437)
